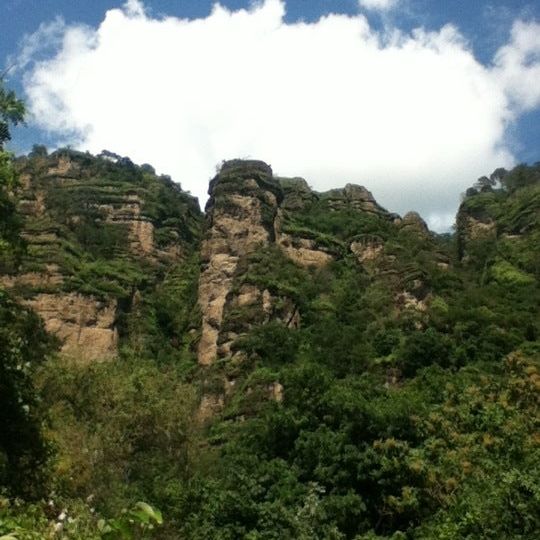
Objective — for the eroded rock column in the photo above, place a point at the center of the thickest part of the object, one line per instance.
(241, 210)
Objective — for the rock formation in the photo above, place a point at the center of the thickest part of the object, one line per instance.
(304, 251)
(94, 228)
(296, 193)
(412, 221)
(354, 197)
(244, 199)
(98, 228)
(250, 209)
(84, 325)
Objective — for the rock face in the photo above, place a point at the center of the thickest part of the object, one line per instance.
(244, 199)
(412, 221)
(296, 193)
(100, 229)
(140, 229)
(354, 197)
(250, 209)
(473, 224)
(95, 228)
(367, 249)
(304, 251)
(84, 325)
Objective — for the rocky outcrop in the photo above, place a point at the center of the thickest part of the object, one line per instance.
(95, 228)
(479, 229)
(139, 227)
(84, 325)
(367, 248)
(244, 199)
(50, 278)
(250, 306)
(249, 209)
(82, 213)
(355, 197)
(412, 221)
(70, 189)
(297, 194)
(473, 224)
(304, 251)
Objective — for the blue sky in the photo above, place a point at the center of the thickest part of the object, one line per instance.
(484, 27)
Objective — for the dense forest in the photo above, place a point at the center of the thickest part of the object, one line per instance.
(291, 365)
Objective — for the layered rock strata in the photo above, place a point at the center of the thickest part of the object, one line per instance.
(84, 325)
(244, 199)
(247, 210)
(355, 197)
(91, 225)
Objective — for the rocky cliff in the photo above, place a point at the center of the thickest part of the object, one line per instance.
(96, 229)
(500, 217)
(241, 211)
(255, 219)
(100, 231)
(314, 366)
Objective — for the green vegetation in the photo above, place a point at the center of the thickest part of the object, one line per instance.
(23, 342)
(48, 443)
(23, 345)
(413, 418)
(401, 404)
(98, 219)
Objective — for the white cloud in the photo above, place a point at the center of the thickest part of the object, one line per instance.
(517, 66)
(378, 5)
(46, 39)
(134, 8)
(416, 119)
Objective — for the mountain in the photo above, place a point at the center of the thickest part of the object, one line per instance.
(289, 364)
(97, 231)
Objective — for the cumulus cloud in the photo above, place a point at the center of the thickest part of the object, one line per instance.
(377, 5)
(416, 118)
(517, 66)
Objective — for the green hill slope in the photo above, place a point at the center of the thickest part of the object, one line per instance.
(298, 365)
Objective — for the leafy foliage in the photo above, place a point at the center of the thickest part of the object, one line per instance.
(405, 405)
(23, 341)
(23, 346)
(12, 112)
(414, 418)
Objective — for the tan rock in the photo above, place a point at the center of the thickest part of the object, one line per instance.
(238, 212)
(355, 197)
(366, 251)
(303, 251)
(214, 286)
(412, 221)
(276, 392)
(140, 228)
(248, 296)
(480, 229)
(408, 301)
(62, 168)
(209, 406)
(84, 325)
(141, 236)
(267, 302)
(48, 279)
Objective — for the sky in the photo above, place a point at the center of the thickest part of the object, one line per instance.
(415, 99)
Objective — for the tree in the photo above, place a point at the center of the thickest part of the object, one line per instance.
(38, 150)
(23, 341)
(12, 112)
(498, 175)
(485, 184)
(23, 346)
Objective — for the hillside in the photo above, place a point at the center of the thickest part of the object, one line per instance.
(289, 365)
(97, 232)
